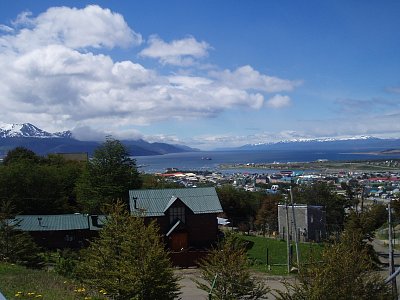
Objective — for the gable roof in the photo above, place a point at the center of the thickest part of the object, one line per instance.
(171, 202)
(155, 202)
(55, 222)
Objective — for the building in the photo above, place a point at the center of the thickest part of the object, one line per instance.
(59, 231)
(310, 222)
(77, 156)
(187, 218)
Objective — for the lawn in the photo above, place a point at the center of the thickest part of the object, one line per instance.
(277, 254)
(17, 282)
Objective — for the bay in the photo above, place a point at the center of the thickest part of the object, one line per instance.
(211, 160)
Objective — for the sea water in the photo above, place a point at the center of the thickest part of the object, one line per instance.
(211, 160)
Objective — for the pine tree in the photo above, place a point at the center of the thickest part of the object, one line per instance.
(128, 260)
(226, 273)
(346, 272)
(15, 246)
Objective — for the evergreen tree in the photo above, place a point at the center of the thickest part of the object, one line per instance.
(109, 176)
(19, 154)
(227, 275)
(346, 272)
(128, 260)
(267, 215)
(15, 246)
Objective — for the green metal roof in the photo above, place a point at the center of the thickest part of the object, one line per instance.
(55, 222)
(155, 202)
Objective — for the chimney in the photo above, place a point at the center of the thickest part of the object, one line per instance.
(40, 221)
(95, 220)
(134, 202)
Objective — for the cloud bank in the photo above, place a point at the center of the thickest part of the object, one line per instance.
(58, 69)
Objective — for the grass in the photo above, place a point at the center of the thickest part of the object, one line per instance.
(277, 254)
(17, 282)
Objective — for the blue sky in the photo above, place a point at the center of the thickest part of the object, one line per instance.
(206, 74)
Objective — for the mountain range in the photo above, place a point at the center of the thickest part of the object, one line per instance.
(43, 142)
(353, 144)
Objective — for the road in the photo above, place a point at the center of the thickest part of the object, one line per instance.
(381, 249)
(191, 292)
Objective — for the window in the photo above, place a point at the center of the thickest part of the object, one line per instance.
(177, 213)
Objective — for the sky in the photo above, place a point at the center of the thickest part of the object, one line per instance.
(207, 74)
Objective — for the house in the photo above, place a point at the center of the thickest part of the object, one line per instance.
(310, 222)
(60, 231)
(75, 156)
(187, 218)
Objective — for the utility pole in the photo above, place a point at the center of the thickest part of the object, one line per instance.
(288, 236)
(391, 259)
(296, 237)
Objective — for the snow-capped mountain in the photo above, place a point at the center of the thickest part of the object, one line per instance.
(317, 140)
(354, 143)
(29, 130)
(43, 142)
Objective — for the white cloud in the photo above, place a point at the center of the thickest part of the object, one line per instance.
(279, 101)
(23, 19)
(50, 77)
(74, 28)
(178, 52)
(246, 77)
(164, 138)
(6, 28)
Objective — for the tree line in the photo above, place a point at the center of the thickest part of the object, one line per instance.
(53, 185)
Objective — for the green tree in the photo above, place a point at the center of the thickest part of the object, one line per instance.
(128, 260)
(353, 192)
(321, 193)
(38, 185)
(267, 215)
(240, 206)
(367, 221)
(346, 272)
(19, 154)
(108, 177)
(15, 246)
(226, 273)
(38, 188)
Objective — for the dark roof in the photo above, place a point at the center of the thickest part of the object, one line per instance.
(156, 202)
(56, 222)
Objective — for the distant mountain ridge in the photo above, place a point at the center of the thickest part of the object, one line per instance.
(356, 143)
(43, 142)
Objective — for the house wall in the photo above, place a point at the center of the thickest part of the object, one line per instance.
(316, 224)
(63, 238)
(202, 229)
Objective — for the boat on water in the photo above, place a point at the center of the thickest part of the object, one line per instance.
(206, 158)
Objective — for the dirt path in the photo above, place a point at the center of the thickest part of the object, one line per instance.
(191, 292)
(382, 250)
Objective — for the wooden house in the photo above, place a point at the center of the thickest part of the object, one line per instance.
(187, 217)
(60, 231)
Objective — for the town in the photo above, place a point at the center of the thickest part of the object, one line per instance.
(374, 186)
